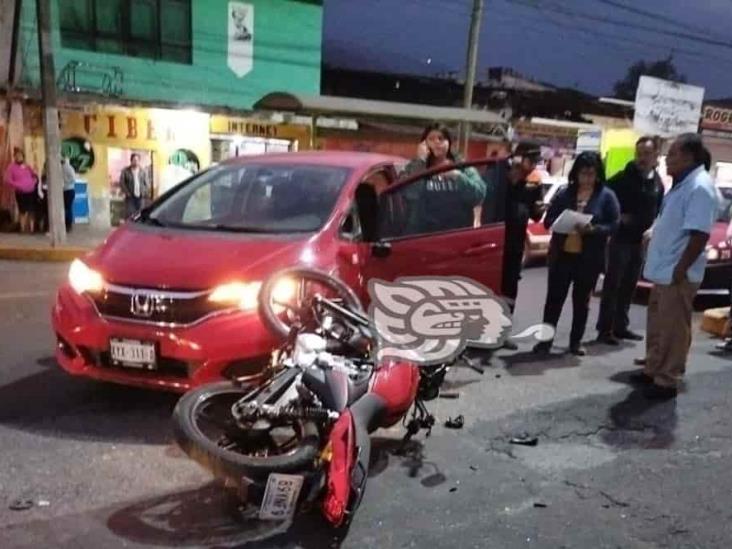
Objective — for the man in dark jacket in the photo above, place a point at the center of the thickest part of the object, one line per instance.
(523, 199)
(640, 192)
(135, 185)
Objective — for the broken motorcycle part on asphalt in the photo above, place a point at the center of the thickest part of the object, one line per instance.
(525, 440)
(455, 423)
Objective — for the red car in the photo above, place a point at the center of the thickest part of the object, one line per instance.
(169, 300)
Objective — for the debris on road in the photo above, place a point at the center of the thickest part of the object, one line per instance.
(449, 394)
(453, 489)
(455, 423)
(525, 440)
(21, 505)
(540, 505)
(43, 503)
(473, 468)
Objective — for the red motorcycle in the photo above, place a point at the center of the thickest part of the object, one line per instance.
(301, 438)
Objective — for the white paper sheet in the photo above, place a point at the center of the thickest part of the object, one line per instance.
(568, 220)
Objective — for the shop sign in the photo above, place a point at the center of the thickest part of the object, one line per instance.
(244, 126)
(80, 153)
(716, 118)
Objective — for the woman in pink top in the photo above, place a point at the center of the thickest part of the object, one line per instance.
(21, 177)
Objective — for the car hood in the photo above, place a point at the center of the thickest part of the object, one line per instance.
(189, 260)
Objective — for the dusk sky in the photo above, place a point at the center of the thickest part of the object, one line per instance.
(580, 43)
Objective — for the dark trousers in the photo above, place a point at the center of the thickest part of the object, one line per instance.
(567, 270)
(512, 260)
(621, 277)
(69, 196)
(133, 204)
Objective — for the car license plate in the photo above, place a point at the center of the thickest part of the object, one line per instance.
(280, 496)
(132, 353)
(726, 254)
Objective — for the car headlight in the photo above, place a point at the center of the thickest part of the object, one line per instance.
(84, 279)
(712, 254)
(241, 294)
(245, 295)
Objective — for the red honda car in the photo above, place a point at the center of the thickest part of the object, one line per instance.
(169, 300)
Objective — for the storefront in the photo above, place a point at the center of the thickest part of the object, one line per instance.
(171, 144)
(231, 137)
(716, 126)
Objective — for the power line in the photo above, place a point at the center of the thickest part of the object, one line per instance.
(535, 4)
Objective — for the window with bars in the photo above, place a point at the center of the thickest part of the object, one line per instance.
(156, 29)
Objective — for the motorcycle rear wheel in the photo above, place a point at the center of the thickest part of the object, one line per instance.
(228, 457)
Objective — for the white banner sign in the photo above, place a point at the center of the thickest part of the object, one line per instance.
(667, 108)
(240, 58)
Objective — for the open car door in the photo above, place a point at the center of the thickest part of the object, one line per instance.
(417, 235)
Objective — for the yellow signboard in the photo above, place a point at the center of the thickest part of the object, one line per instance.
(227, 125)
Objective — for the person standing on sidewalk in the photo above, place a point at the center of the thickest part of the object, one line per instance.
(134, 184)
(640, 191)
(69, 176)
(675, 265)
(22, 179)
(576, 259)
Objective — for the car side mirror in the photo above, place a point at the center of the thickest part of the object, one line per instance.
(381, 249)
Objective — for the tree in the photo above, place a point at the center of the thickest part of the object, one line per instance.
(664, 68)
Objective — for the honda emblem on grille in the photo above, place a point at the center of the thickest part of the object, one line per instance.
(142, 305)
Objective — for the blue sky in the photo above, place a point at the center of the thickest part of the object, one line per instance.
(557, 41)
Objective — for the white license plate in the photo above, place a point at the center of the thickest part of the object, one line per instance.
(280, 496)
(133, 354)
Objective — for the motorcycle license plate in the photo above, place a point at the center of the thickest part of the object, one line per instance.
(280, 496)
(132, 354)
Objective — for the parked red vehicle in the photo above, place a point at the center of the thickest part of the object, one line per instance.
(169, 300)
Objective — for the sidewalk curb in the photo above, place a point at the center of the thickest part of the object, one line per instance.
(46, 254)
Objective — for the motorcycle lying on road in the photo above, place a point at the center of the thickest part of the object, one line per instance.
(301, 438)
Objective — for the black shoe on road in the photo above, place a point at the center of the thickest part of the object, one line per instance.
(607, 338)
(543, 348)
(656, 392)
(640, 377)
(577, 350)
(631, 336)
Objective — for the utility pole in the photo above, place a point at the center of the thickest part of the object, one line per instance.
(52, 138)
(475, 21)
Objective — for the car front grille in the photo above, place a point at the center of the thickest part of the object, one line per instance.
(154, 306)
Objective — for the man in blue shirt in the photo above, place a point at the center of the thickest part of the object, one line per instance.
(675, 264)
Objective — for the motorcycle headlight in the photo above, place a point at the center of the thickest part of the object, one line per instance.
(241, 294)
(712, 254)
(84, 279)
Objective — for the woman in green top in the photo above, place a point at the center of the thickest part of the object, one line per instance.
(448, 200)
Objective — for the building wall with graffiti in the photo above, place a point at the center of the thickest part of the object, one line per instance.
(214, 53)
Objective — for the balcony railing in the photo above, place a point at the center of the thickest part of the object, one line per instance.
(80, 77)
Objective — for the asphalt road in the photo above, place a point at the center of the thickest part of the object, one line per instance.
(610, 469)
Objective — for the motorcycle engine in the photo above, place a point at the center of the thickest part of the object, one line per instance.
(307, 349)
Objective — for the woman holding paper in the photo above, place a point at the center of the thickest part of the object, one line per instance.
(582, 216)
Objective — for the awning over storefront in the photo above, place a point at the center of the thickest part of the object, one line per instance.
(370, 108)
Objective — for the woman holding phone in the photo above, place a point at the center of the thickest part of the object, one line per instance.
(576, 259)
(448, 200)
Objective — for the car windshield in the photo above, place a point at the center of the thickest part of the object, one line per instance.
(725, 204)
(265, 198)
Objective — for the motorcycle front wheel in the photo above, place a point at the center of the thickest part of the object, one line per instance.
(206, 431)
